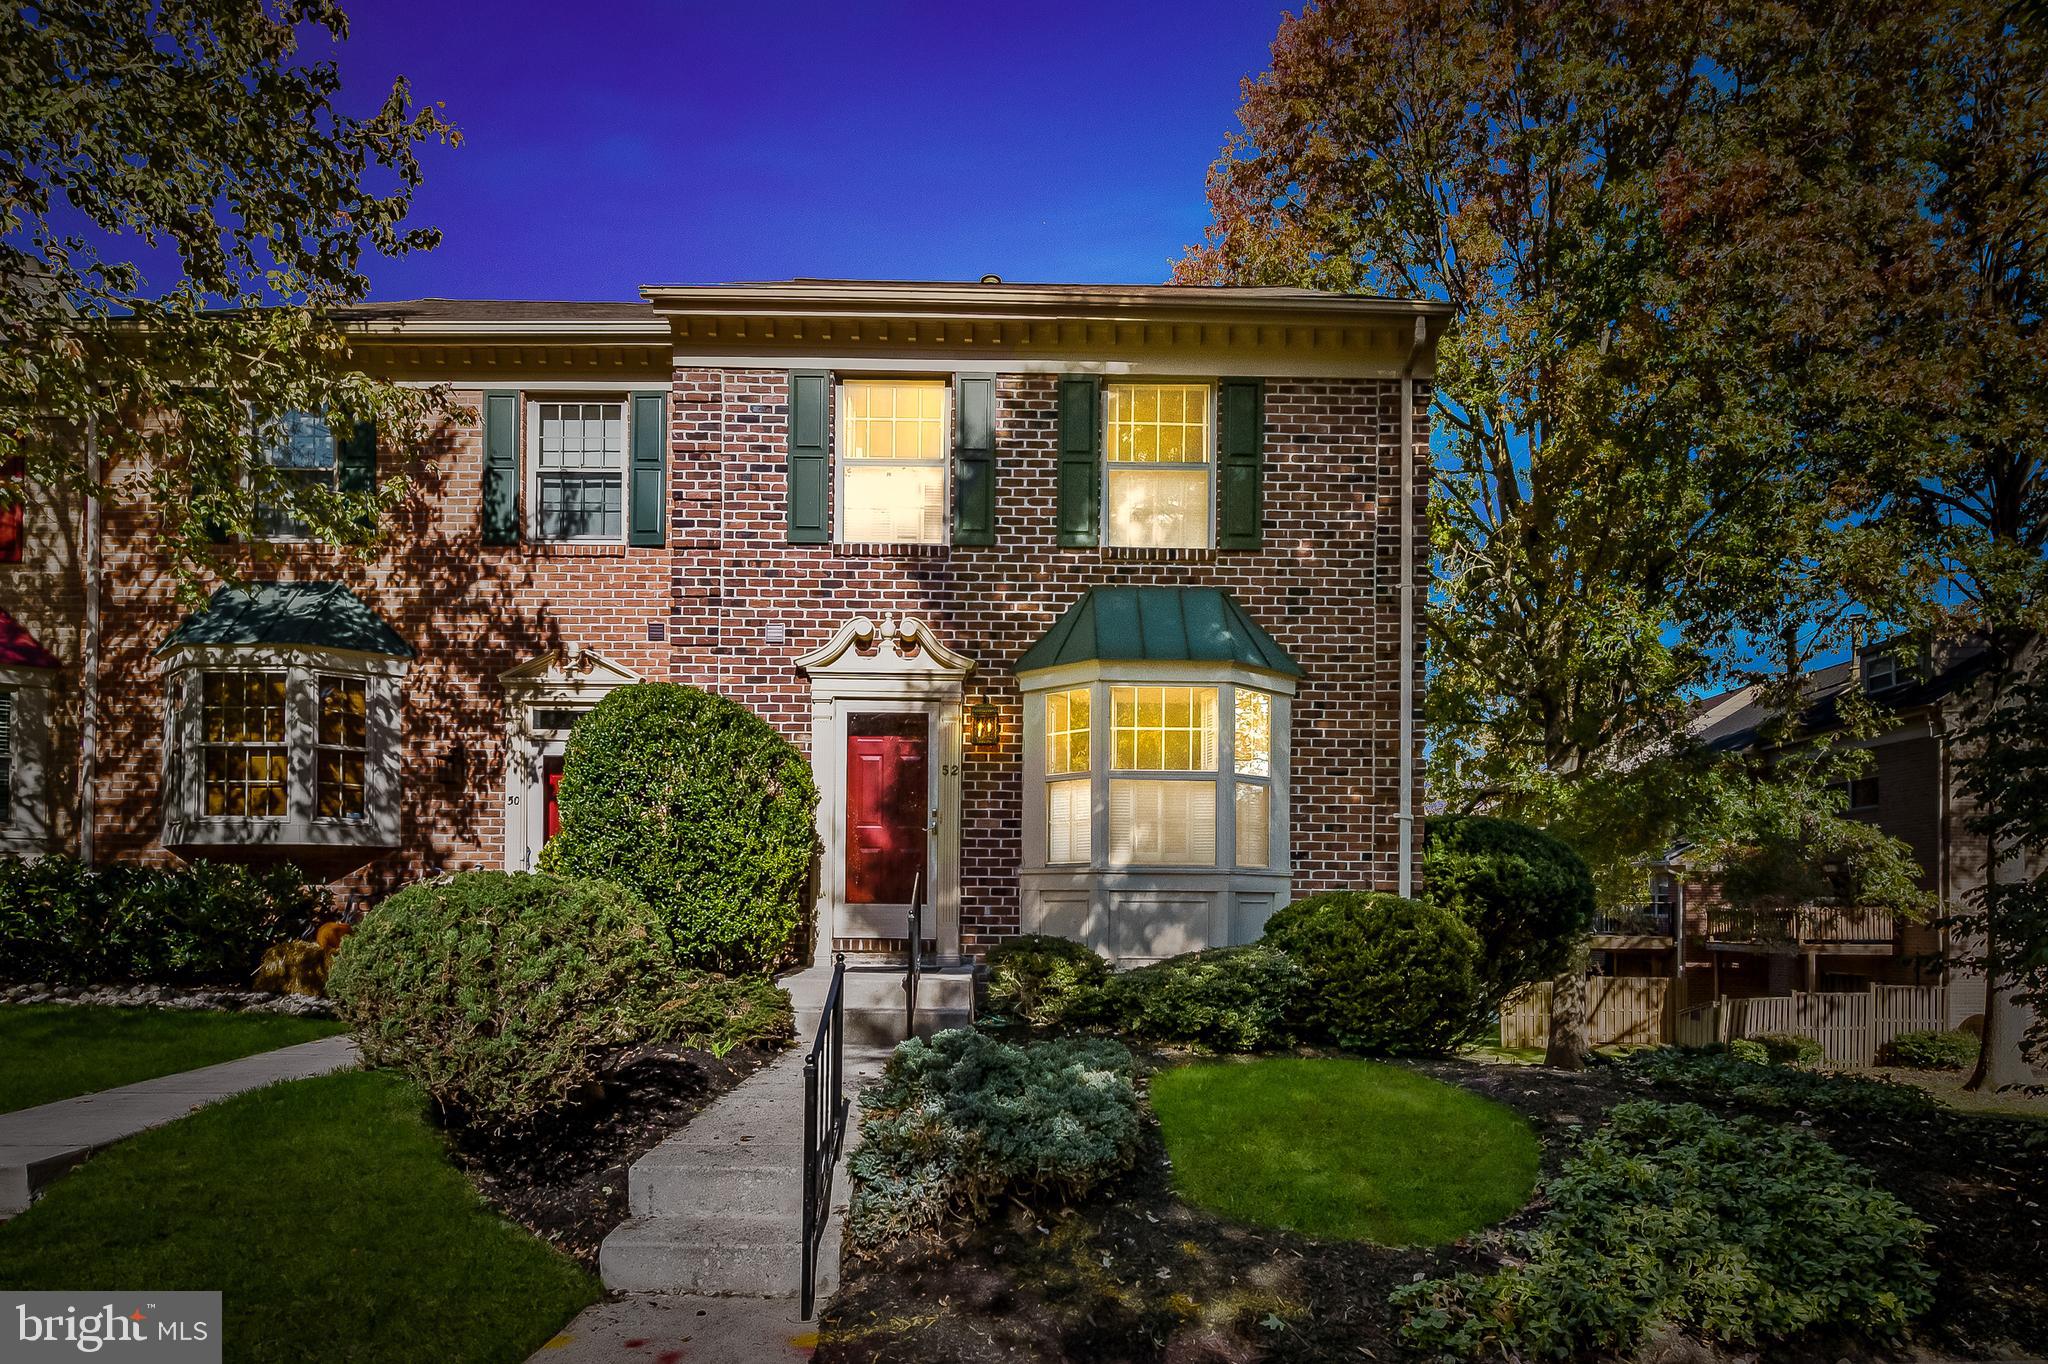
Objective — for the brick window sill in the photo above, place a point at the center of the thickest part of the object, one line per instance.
(884, 550)
(1157, 556)
(566, 550)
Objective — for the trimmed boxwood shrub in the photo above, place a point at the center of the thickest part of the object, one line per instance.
(505, 993)
(965, 1121)
(203, 923)
(1790, 1049)
(1527, 895)
(1928, 1049)
(1380, 974)
(700, 807)
(1227, 999)
(1045, 981)
(1743, 1231)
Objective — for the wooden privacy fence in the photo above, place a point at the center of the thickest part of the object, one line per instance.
(1852, 1026)
(1619, 1009)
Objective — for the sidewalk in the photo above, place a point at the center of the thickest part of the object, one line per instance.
(39, 1144)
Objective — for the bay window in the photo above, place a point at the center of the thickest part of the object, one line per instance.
(892, 461)
(1156, 463)
(243, 752)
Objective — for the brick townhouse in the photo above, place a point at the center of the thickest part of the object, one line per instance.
(1095, 608)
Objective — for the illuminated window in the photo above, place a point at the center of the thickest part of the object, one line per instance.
(1066, 731)
(343, 748)
(1164, 729)
(1254, 765)
(892, 447)
(1162, 821)
(246, 757)
(1156, 461)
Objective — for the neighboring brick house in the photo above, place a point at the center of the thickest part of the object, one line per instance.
(1909, 791)
(1096, 608)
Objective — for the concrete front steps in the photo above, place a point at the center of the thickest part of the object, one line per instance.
(717, 1209)
(874, 1001)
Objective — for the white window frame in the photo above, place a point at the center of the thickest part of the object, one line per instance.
(1208, 466)
(25, 827)
(531, 479)
(301, 535)
(185, 820)
(841, 459)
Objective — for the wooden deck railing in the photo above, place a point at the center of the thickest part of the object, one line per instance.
(1802, 927)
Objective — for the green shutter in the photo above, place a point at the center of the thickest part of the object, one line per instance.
(355, 458)
(1240, 465)
(501, 468)
(974, 460)
(1080, 460)
(810, 400)
(647, 503)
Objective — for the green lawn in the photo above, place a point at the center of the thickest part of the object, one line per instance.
(1343, 1150)
(56, 1051)
(326, 1213)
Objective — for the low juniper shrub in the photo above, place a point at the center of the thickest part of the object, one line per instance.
(1227, 999)
(1741, 1231)
(1045, 981)
(1927, 1049)
(965, 1120)
(505, 995)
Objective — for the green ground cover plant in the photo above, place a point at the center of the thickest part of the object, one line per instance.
(1343, 1149)
(504, 994)
(703, 809)
(965, 1121)
(1754, 1080)
(1741, 1231)
(59, 1051)
(328, 1217)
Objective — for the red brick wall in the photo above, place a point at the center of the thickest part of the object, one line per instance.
(1324, 585)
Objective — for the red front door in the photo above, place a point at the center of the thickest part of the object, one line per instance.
(551, 775)
(888, 793)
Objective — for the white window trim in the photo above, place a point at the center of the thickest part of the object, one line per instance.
(840, 461)
(1099, 679)
(530, 479)
(185, 821)
(1208, 466)
(26, 830)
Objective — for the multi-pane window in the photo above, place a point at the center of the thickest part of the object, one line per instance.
(1163, 820)
(299, 447)
(343, 746)
(6, 757)
(245, 762)
(1069, 810)
(1156, 461)
(892, 446)
(579, 488)
(1254, 770)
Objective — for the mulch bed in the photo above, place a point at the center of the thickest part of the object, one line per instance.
(565, 1179)
(1136, 1275)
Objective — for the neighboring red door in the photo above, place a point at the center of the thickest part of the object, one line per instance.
(888, 790)
(551, 784)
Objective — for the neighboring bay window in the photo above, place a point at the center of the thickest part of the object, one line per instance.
(245, 760)
(1156, 461)
(579, 471)
(1170, 791)
(892, 461)
(343, 748)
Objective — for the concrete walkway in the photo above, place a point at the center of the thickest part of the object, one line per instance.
(708, 1267)
(39, 1144)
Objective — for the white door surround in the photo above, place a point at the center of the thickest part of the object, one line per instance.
(539, 695)
(896, 666)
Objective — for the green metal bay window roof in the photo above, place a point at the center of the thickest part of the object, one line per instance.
(302, 615)
(1157, 624)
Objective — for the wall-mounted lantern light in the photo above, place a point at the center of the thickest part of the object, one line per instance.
(984, 725)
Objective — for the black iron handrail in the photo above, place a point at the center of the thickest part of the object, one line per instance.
(825, 1110)
(916, 966)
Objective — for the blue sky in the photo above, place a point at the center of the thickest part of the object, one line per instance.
(609, 146)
